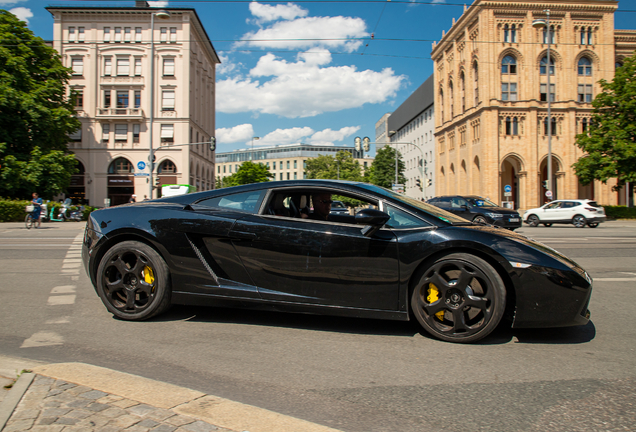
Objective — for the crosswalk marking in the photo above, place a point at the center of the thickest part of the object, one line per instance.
(43, 338)
(61, 300)
(63, 289)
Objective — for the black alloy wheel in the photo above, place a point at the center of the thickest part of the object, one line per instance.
(133, 281)
(592, 224)
(579, 221)
(533, 221)
(460, 298)
(480, 220)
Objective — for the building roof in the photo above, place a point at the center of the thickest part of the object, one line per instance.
(420, 100)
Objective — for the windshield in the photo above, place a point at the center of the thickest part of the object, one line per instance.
(480, 202)
(428, 208)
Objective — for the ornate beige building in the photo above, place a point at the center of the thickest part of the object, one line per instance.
(109, 50)
(491, 96)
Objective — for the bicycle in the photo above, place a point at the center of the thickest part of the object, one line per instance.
(29, 220)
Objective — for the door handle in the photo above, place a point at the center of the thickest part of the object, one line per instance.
(240, 235)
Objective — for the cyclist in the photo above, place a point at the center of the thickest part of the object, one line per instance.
(37, 209)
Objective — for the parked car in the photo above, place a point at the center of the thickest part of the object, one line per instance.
(396, 258)
(338, 207)
(578, 212)
(478, 210)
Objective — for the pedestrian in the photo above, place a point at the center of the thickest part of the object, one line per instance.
(37, 208)
(145, 197)
(133, 199)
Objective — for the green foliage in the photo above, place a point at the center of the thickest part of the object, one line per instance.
(341, 166)
(382, 171)
(620, 212)
(36, 115)
(248, 173)
(12, 210)
(610, 141)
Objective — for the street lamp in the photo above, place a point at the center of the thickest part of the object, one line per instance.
(164, 15)
(252, 151)
(545, 23)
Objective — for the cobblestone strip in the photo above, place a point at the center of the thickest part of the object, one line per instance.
(51, 405)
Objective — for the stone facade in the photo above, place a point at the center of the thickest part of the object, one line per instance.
(109, 50)
(491, 97)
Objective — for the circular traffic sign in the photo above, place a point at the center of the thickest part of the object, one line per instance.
(141, 165)
(507, 188)
(548, 194)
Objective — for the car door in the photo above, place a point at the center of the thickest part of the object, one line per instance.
(550, 212)
(460, 207)
(319, 262)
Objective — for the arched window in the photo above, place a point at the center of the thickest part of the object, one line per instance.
(508, 74)
(462, 90)
(121, 166)
(451, 99)
(476, 81)
(544, 65)
(617, 65)
(509, 65)
(441, 105)
(167, 167)
(585, 66)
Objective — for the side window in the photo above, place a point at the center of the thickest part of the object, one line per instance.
(246, 202)
(402, 219)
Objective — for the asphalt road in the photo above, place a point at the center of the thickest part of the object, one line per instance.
(350, 374)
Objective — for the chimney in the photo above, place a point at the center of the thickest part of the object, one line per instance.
(142, 4)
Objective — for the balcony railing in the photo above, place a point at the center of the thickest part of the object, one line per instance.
(120, 112)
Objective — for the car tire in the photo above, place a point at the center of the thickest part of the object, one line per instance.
(547, 225)
(592, 224)
(480, 220)
(533, 220)
(133, 281)
(579, 221)
(459, 298)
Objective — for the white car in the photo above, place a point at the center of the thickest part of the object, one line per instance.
(579, 212)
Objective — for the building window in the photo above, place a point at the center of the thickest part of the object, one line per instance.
(618, 65)
(168, 167)
(281, 176)
(586, 36)
(585, 93)
(76, 136)
(476, 80)
(122, 98)
(108, 66)
(120, 166)
(106, 98)
(451, 99)
(79, 99)
(167, 133)
(163, 34)
(509, 65)
(168, 67)
(288, 165)
(71, 34)
(585, 67)
(280, 166)
(106, 34)
(509, 91)
(441, 105)
(295, 164)
(167, 100)
(510, 33)
(127, 34)
(173, 34)
(81, 36)
(584, 125)
(552, 130)
(136, 128)
(105, 132)
(137, 99)
(544, 65)
(77, 64)
(545, 35)
(121, 133)
(123, 66)
(137, 66)
(462, 91)
(117, 34)
(512, 126)
(137, 34)
(544, 92)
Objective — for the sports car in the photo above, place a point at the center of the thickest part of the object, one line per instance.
(254, 246)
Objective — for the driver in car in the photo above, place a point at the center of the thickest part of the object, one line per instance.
(322, 206)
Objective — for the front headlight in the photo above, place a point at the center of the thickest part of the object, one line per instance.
(494, 215)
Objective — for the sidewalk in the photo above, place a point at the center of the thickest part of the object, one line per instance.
(81, 397)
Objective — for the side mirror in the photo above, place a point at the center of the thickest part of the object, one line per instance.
(373, 219)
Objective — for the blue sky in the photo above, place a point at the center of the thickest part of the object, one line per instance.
(316, 72)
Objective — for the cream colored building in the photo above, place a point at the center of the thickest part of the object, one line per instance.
(491, 96)
(285, 161)
(109, 50)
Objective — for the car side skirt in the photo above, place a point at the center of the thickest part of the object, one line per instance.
(195, 299)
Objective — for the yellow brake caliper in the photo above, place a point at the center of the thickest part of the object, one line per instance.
(149, 277)
(432, 297)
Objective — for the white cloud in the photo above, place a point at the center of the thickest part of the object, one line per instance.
(235, 134)
(303, 33)
(304, 88)
(285, 136)
(328, 136)
(10, 2)
(266, 13)
(158, 4)
(22, 13)
(226, 65)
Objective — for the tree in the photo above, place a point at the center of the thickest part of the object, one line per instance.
(610, 141)
(36, 115)
(248, 173)
(382, 171)
(343, 166)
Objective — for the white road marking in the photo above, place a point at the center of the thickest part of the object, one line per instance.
(66, 265)
(614, 279)
(63, 320)
(61, 300)
(63, 289)
(44, 338)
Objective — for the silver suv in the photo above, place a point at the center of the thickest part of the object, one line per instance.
(579, 212)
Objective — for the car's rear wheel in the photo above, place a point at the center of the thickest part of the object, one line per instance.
(480, 220)
(547, 225)
(592, 224)
(133, 281)
(460, 298)
(579, 221)
(533, 221)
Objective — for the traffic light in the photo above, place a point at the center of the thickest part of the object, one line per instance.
(366, 144)
(418, 183)
(212, 143)
(157, 182)
(429, 182)
(357, 141)
(544, 183)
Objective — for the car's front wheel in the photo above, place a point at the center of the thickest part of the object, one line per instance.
(133, 281)
(579, 221)
(533, 221)
(460, 298)
(480, 220)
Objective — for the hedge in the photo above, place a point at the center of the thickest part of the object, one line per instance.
(620, 212)
(14, 210)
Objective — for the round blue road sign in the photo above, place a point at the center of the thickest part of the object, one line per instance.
(141, 165)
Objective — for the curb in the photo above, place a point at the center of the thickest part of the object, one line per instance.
(11, 401)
